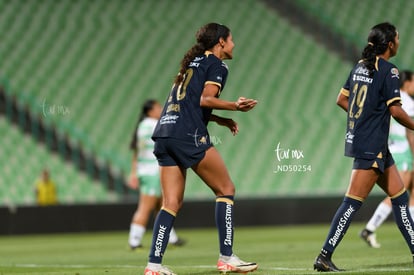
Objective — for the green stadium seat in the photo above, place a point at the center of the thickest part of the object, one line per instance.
(100, 60)
(23, 159)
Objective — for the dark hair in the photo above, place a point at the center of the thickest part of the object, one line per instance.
(405, 76)
(146, 107)
(378, 39)
(206, 37)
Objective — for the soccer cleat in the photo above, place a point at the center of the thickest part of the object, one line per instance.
(162, 270)
(135, 248)
(370, 238)
(325, 265)
(234, 264)
(179, 242)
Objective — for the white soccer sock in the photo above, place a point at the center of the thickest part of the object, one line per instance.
(136, 232)
(380, 215)
(411, 208)
(154, 266)
(173, 236)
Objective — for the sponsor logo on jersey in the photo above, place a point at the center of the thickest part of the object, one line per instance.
(167, 119)
(362, 70)
(349, 138)
(361, 78)
(395, 73)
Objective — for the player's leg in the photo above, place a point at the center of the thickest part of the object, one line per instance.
(146, 205)
(174, 239)
(404, 164)
(149, 201)
(410, 189)
(173, 183)
(382, 212)
(406, 179)
(392, 184)
(212, 170)
(361, 183)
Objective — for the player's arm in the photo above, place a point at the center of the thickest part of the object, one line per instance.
(209, 100)
(227, 122)
(410, 139)
(342, 99)
(133, 181)
(400, 115)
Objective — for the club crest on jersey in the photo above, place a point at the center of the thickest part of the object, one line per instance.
(395, 73)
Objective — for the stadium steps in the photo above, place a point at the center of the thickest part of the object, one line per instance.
(353, 19)
(22, 161)
(101, 60)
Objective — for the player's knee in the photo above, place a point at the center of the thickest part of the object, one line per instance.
(173, 204)
(227, 189)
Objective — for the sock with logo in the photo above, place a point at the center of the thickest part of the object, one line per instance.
(380, 215)
(340, 224)
(162, 227)
(403, 218)
(224, 223)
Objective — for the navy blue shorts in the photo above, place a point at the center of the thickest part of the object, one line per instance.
(177, 152)
(382, 162)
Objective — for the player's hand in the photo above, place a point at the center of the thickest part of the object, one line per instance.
(229, 123)
(133, 181)
(245, 104)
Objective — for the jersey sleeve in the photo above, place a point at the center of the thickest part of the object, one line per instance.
(346, 88)
(217, 75)
(392, 86)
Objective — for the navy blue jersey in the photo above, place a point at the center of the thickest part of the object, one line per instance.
(369, 97)
(182, 116)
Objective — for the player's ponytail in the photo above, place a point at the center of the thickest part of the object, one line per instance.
(207, 37)
(378, 39)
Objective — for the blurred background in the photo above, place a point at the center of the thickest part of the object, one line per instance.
(74, 74)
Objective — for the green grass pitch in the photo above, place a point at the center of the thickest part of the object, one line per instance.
(277, 250)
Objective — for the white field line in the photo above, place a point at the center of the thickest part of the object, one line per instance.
(80, 266)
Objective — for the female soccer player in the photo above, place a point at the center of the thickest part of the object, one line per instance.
(370, 96)
(182, 141)
(145, 174)
(401, 145)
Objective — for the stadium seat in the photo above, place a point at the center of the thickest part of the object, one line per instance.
(87, 66)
